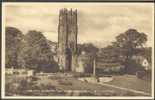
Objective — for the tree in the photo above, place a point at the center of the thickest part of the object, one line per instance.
(88, 47)
(109, 53)
(36, 53)
(127, 45)
(13, 42)
(129, 42)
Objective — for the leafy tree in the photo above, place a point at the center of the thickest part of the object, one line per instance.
(13, 38)
(129, 42)
(87, 47)
(36, 53)
(109, 54)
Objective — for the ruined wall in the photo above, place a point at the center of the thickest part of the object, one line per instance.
(72, 37)
(67, 40)
(62, 39)
(85, 63)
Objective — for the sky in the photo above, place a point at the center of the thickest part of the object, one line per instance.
(98, 23)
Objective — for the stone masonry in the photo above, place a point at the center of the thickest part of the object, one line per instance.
(67, 40)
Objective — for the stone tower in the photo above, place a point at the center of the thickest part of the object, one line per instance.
(67, 40)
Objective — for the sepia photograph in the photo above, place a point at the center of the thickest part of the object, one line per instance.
(77, 50)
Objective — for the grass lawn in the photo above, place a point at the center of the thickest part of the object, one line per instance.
(73, 84)
(132, 82)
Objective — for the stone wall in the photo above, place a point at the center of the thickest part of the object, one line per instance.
(85, 63)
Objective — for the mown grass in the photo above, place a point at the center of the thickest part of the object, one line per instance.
(61, 86)
(132, 82)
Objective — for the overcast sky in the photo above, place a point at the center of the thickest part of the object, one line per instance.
(98, 23)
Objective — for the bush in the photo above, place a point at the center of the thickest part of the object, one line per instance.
(110, 70)
(145, 75)
(140, 74)
(132, 67)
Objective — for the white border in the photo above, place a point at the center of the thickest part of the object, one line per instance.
(68, 97)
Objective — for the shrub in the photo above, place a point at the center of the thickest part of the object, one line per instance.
(132, 67)
(110, 70)
(140, 74)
